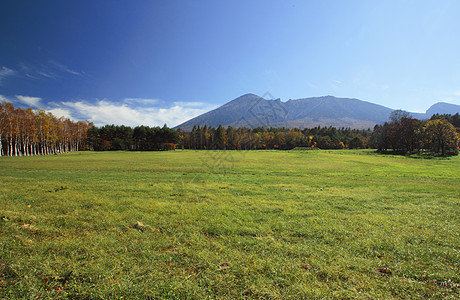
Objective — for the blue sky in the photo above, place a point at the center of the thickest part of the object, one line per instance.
(155, 62)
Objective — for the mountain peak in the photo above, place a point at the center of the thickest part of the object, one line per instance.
(245, 98)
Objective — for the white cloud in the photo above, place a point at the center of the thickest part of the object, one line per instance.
(104, 112)
(4, 98)
(130, 112)
(457, 93)
(17, 100)
(61, 112)
(5, 72)
(30, 101)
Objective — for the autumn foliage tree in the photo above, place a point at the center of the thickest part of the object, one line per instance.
(25, 132)
(441, 137)
(244, 138)
(405, 134)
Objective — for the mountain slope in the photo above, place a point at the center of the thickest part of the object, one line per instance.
(338, 112)
(442, 108)
(252, 111)
(228, 114)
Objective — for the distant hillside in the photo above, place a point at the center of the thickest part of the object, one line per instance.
(336, 112)
(252, 111)
(442, 108)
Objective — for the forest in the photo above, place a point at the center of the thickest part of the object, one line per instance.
(230, 138)
(404, 134)
(140, 138)
(25, 132)
(112, 137)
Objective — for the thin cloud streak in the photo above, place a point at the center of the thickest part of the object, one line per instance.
(47, 75)
(64, 68)
(6, 72)
(52, 70)
(141, 101)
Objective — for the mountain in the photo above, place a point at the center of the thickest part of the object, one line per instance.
(227, 114)
(442, 108)
(336, 112)
(438, 108)
(253, 111)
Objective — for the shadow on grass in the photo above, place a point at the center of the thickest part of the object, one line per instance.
(418, 155)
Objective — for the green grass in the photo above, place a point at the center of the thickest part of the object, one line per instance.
(227, 224)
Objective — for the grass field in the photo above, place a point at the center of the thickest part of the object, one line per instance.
(226, 225)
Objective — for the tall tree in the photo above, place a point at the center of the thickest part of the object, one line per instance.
(441, 136)
(221, 138)
(28, 132)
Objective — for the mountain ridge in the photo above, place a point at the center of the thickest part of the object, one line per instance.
(251, 110)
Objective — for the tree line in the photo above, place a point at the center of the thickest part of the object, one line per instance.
(142, 138)
(230, 138)
(404, 134)
(35, 132)
(25, 132)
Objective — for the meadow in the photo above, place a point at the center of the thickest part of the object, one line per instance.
(229, 225)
